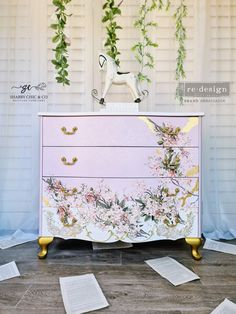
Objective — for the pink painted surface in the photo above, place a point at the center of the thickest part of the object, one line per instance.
(112, 131)
(116, 161)
(112, 209)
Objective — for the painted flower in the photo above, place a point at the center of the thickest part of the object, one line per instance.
(90, 197)
(123, 214)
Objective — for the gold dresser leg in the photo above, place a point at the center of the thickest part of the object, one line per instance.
(44, 243)
(195, 243)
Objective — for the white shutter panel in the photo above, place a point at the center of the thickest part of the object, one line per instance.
(17, 182)
(222, 116)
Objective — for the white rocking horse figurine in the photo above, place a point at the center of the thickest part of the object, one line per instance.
(115, 77)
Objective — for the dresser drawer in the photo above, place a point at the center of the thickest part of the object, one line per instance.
(133, 210)
(120, 131)
(120, 162)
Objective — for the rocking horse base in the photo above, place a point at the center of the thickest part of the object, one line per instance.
(102, 101)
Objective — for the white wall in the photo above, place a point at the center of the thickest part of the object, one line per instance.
(25, 54)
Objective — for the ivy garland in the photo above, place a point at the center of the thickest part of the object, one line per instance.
(112, 11)
(141, 49)
(161, 5)
(142, 55)
(60, 62)
(180, 36)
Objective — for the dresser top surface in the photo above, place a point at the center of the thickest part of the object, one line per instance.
(159, 114)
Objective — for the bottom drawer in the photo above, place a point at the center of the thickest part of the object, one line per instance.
(131, 210)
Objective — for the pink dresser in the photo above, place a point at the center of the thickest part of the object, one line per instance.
(128, 177)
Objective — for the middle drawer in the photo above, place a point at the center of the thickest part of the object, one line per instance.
(120, 162)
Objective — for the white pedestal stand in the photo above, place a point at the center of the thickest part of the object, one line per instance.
(120, 107)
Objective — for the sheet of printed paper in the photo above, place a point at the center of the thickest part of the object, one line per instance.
(226, 307)
(8, 271)
(220, 246)
(173, 271)
(19, 237)
(82, 294)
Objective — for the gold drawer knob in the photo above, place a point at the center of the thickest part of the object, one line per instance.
(67, 163)
(74, 130)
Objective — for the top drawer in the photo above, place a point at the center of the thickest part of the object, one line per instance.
(120, 131)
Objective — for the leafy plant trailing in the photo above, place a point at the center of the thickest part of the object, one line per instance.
(112, 11)
(141, 49)
(180, 36)
(143, 56)
(163, 4)
(61, 41)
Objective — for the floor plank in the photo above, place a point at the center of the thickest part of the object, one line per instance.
(129, 285)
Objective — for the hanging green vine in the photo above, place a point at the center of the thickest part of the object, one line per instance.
(111, 12)
(180, 36)
(163, 4)
(61, 41)
(141, 48)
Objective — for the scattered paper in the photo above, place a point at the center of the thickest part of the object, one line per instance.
(225, 307)
(173, 271)
(82, 294)
(8, 271)
(18, 237)
(220, 246)
(111, 246)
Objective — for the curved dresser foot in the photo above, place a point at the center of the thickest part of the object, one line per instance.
(195, 243)
(44, 243)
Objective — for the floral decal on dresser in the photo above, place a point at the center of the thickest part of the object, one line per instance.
(167, 134)
(146, 212)
(170, 160)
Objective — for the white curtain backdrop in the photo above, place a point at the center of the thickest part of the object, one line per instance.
(25, 54)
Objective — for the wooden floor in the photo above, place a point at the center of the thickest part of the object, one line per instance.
(129, 285)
